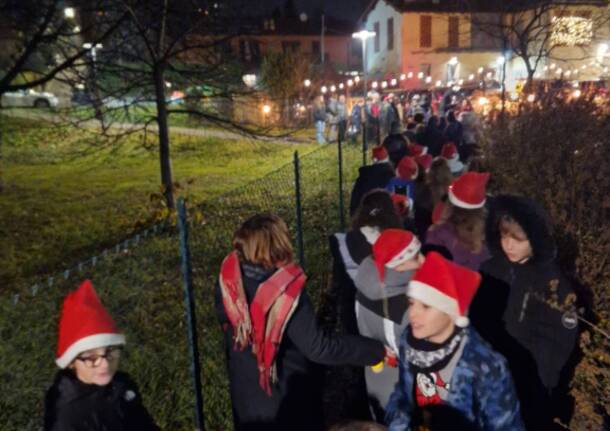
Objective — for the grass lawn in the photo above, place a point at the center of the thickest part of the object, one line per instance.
(69, 193)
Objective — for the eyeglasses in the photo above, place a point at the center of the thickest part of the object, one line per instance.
(112, 353)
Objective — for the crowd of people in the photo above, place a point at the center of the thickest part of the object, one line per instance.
(444, 303)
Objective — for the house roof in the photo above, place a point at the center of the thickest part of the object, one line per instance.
(480, 6)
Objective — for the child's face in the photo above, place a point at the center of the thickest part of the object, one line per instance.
(429, 323)
(411, 264)
(97, 366)
(514, 242)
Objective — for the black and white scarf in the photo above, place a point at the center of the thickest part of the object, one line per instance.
(426, 356)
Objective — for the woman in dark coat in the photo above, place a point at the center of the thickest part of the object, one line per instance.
(523, 306)
(272, 339)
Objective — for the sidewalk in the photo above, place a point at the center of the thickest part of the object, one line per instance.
(188, 131)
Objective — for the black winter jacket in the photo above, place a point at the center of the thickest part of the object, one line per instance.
(370, 177)
(511, 311)
(295, 403)
(71, 405)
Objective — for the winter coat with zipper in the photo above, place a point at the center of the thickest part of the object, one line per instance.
(348, 251)
(481, 392)
(71, 405)
(512, 310)
(295, 402)
(381, 314)
(370, 177)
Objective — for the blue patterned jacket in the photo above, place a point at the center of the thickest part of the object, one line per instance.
(482, 391)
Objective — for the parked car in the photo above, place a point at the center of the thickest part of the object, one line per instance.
(29, 99)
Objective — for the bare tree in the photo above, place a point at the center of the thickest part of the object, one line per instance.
(43, 39)
(534, 30)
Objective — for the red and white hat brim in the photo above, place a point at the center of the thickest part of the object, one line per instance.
(387, 159)
(462, 204)
(87, 343)
(433, 297)
(409, 252)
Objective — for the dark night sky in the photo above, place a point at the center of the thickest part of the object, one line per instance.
(345, 9)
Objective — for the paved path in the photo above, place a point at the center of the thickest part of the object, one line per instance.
(188, 131)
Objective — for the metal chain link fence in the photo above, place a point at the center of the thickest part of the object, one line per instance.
(140, 282)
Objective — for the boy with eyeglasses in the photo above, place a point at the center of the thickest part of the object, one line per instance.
(88, 392)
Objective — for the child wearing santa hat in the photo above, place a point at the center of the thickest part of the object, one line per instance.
(462, 233)
(88, 392)
(381, 303)
(449, 152)
(407, 171)
(372, 176)
(449, 377)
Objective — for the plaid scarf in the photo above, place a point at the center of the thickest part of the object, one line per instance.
(262, 324)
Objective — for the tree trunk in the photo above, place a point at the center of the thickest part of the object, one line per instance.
(166, 165)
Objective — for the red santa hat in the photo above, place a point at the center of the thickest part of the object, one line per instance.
(446, 286)
(468, 191)
(407, 169)
(84, 325)
(393, 247)
(380, 154)
(424, 161)
(402, 203)
(449, 151)
(418, 150)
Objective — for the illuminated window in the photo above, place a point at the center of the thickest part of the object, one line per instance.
(571, 31)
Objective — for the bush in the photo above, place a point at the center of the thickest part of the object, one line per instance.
(557, 153)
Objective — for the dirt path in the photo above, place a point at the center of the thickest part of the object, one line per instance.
(188, 131)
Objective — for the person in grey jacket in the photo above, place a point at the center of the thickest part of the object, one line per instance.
(381, 304)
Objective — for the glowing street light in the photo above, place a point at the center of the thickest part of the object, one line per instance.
(350, 82)
(374, 84)
(69, 13)
(384, 84)
(428, 79)
(266, 109)
(531, 98)
(420, 75)
(363, 35)
(250, 80)
(410, 75)
(333, 88)
(341, 86)
(480, 70)
(324, 89)
(402, 76)
(439, 83)
(307, 83)
(471, 77)
(393, 82)
(357, 79)
(453, 61)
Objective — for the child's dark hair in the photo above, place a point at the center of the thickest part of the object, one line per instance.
(357, 426)
(377, 210)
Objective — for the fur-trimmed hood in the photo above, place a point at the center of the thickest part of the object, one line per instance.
(530, 216)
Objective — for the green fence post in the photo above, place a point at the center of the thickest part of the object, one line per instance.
(191, 321)
(299, 209)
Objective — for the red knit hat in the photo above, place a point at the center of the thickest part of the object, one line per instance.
(380, 154)
(418, 150)
(449, 151)
(393, 247)
(468, 191)
(424, 161)
(84, 325)
(407, 168)
(445, 286)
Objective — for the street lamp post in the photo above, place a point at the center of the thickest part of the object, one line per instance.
(96, 102)
(363, 35)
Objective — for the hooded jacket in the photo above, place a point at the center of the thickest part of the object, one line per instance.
(71, 405)
(513, 311)
(381, 314)
(370, 177)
